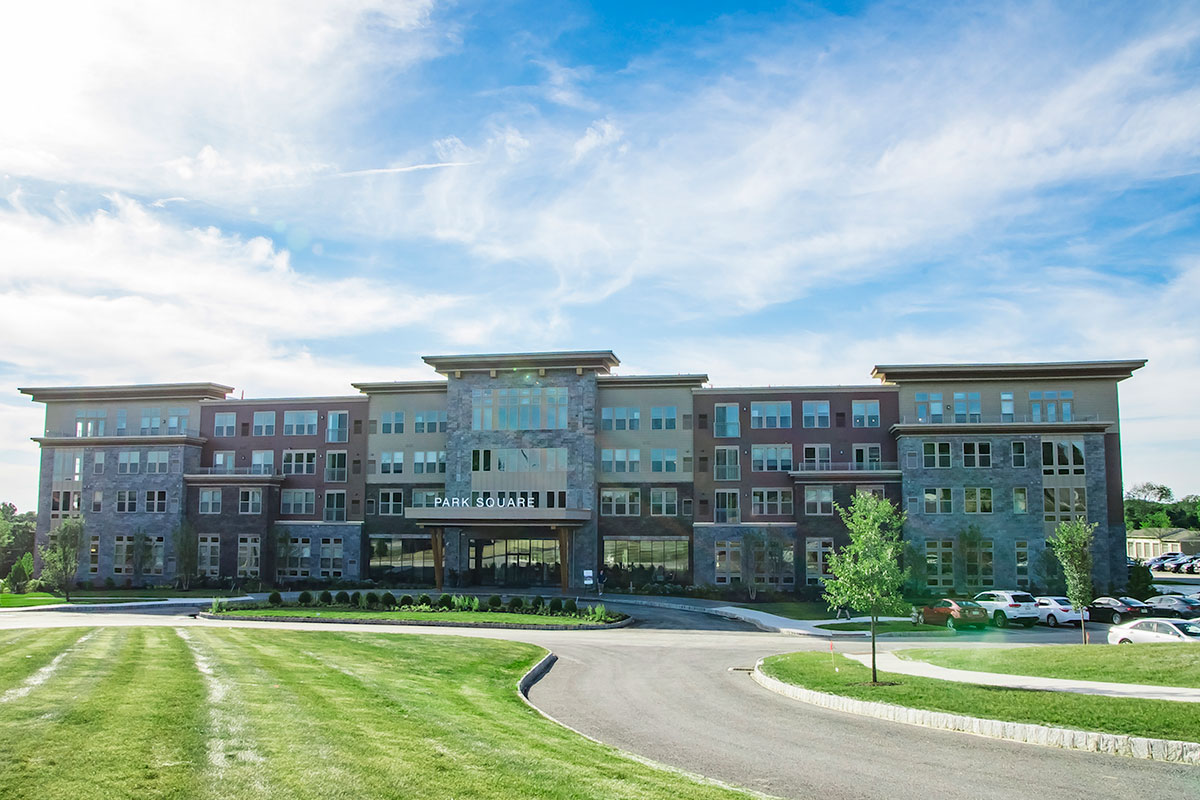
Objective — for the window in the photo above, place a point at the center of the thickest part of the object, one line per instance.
(122, 422)
(391, 502)
(1023, 563)
(771, 502)
(296, 556)
(250, 501)
(156, 502)
(937, 501)
(1018, 454)
(1020, 500)
(90, 422)
(978, 500)
(126, 502)
(262, 462)
(157, 553)
(725, 464)
(65, 502)
(335, 466)
(151, 422)
(123, 555)
(223, 462)
(939, 563)
(874, 491)
(647, 559)
(429, 462)
(664, 502)
(210, 501)
(817, 456)
(1065, 457)
(337, 426)
(725, 420)
(427, 498)
(429, 422)
(666, 460)
(977, 454)
(157, 461)
(128, 462)
(225, 424)
(868, 456)
(771, 458)
(686, 507)
(209, 555)
(248, 552)
(816, 560)
(663, 418)
(392, 422)
(774, 564)
(300, 423)
(967, 406)
(815, 413)
(1007, 407)
(299, 462)
(620, 419)
(298, 501)
(937, 455)
(177, 421)
(621, 503)
(264, 423)
(1064, 503)
(519, 409)
(335, 506)
(620, 460)
(818, 500)
(98, 462)
(729, 562)
(771, 415)
(1053, 406)
(330, 558)
(865, 413)
(929, 406)
(392, 463)
(726, 506)
(94, 555)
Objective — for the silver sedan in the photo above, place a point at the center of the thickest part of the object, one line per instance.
(1155, 630)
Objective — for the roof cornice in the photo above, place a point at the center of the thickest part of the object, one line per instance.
(642, 381)
(401, 387)
(1113, 370)
(590, 360)
(145, 391)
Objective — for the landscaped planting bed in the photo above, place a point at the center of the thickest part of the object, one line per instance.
(1165, 664)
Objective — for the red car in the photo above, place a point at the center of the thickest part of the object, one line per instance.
(954, 614)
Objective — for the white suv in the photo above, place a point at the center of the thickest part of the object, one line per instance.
(1005, 607)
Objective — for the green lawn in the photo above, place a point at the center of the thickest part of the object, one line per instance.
(424, 616)
(889, 626)
(1164, 664)
(238, 713)
(792, 609)
(28, 599)
(1155, 718)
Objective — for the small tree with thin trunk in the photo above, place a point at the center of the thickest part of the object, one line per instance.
(186, 545)
(867, 573)
(60, 557)
(140, 555)
(1072, 545)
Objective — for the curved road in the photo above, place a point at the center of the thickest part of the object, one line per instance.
(664, 689)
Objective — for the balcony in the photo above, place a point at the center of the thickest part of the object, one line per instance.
(846, 466)
(126, 434)
(255, 470)
(996, 419)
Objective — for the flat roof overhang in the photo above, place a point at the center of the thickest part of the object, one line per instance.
(951, 428)
(231, 478)
(580, 360)
(400, 387)
(476, 517)
(1113, 370)
(112, 441)
(144, 391)
(840, 475)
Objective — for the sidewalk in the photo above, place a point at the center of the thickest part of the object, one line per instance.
(889, 662)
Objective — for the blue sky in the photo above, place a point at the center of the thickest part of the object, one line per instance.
(287, 197)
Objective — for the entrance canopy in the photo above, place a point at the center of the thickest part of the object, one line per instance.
(475, 516)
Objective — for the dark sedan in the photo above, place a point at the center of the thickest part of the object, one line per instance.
(1116, 610)
(954, 614)
(1174, 605)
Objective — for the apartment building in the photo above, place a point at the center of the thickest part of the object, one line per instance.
(533, 469)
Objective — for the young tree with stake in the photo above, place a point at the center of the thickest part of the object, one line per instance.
(1072, 544)
(60, 558)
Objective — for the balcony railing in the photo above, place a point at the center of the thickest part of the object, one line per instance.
(234, 471)
(112, 434)
(993, 419)
(845, 466)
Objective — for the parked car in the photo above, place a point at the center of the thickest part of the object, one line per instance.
(1155, 630)
(954, 614)
(1116, 610)
(1055, 611)
(1174, 605)
(1006, 606)
(1193, 566)
(1180, 564)
(1162, 558)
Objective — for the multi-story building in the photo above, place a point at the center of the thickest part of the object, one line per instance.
(538, 468)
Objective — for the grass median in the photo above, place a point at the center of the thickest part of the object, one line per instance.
(889, 626)
(1165, 664)
(476, 617)
(1154, 718)
(209, 713)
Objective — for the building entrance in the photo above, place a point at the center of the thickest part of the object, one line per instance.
(515, 562)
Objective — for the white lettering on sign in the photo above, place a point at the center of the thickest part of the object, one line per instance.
(481, 502)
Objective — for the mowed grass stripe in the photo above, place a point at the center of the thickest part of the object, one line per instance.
(22, 656)
(122, 718)
(372, 715)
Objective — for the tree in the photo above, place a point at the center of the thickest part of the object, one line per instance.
(1141, 582)
(60, 557)
(970, 544)
(1050, 572)
(140, 554)
(1158, 519)
(760, 549)
(1150, 491)
(186, 545)
(867, 573)
(912, 560)
(284, 550)
(17, 534)
(1072, 545)
(19, 575)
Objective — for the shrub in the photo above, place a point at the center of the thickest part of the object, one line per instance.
(598, 612)
(342, 599)
(472, 603)
(461, 603)
(555, 605)
(425, 600)
(305, 599)
(372, 600)
(406, 601)
(515, 604)
(355, 599)
(569, 606)
(109, 583)
(537, 603)
(326, 598)
(275, 599)
(495, 602)
(446, 601)
(217, 606)
(388, 600)
(37, 585)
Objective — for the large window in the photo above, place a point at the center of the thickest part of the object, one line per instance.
(620, 460)
(126, 502)
(967, 407)
(818, 456)
(980, 565)
(865, 413)
(977, 454)
(391, 502)
(726, 506)
(816, 560)
(647, 560)
(330, 557)
(429, 422)
(128, 462)
(774, 564)
(262, 462)
(929, 406)
(1055, 406)
(815, 413)
(123, 548)
(725, 464)
(1064, 457)
(428, 462)
(978, 500)
(210, 501)
(405, 559)
(335, 466)
(250, 501)
(151, 422)
(1018, 454)
(524, 409)
(264, 423)
(938, 501)
(337, 428)
(1064, 503)
(620, 418)
(771, 502)
(391, 463)
(663, 418)
(90, 422)
(1022, 546)
(664, 502)
(868, 456)
(1020, 500)
(299, 462)
(223, 462)
(300, 423)
(295, 558)
(298, 501)
(391, 422)
(771, 458)
(621, 503)
(1007, 407)
(729, 562)
(771, 415)
(725, 421)
(156, 502)
(818, 501)
(158, 461)
(335, 506)
(939, 563)
(248, 556)
(664, 460)
(209, 556)
(177, 421)
(937, 455)
(225, 424)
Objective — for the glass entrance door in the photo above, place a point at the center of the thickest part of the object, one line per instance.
(515, 562)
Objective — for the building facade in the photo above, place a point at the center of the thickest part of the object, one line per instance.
(539, 469)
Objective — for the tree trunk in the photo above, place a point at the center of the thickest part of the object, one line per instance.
(874, 674)
(1083, 625)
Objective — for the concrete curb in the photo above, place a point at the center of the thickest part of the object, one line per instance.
(422, 623)
(1026, 733)
(167, 602)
